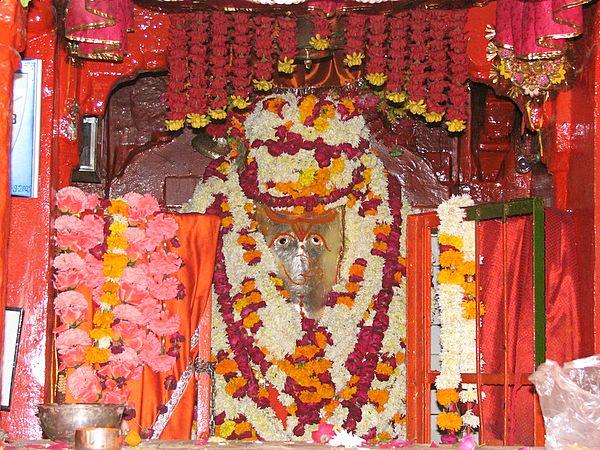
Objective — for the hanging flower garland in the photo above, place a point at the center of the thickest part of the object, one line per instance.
(176, 95)
(321, 30)
(263, 48)
(355, 39)
(287, 43)
(241, 71)
(198, 95)
(218, 58)
(456, 297)
(114, 252)
(345, 368)
(397, 63)
(417, 48)
(456, 114)
(438, 64)
(376, 38)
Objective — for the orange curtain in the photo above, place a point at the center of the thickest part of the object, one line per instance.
(198, 235)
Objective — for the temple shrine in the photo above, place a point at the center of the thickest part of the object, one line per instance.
(295, 223)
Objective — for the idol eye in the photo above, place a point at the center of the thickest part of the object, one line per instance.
(316, 240)
(283, 241)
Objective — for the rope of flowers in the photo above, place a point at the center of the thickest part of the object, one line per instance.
(287, 42)
(113, 254)
(376, 38)
(321, 30)
(456, 297)
(176, 95)
(397, 64)
(198, 98)
(241, 69)
(355, 39)
(263, 48)
(345, 368)
(456, 113)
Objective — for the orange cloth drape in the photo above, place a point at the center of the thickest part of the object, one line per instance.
(198, 236)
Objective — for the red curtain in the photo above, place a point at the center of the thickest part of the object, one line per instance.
(512, 325)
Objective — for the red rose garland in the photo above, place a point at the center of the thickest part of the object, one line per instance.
(459, 71)
(438, 64)
(355, 39)
(263, 48)
(218, 58)
(197, 106)
(321, 30)
(241, 71)
(418, 65)
(397, 63)
(377, 37)
(287, 43)
(176, 95)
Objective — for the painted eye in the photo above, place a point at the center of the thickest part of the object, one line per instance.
(316, 240)
(283, 241)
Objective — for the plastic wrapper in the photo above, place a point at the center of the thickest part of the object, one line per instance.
(570, 401)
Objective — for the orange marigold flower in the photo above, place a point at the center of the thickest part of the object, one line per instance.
(298, 210)
(110, 298)
(110, 286)
(470, 288)
(320, 366)
(452, 241)
(354, 379)
(245, 239)
(248, 286)
(451, 258)
(356, 270)
(378, 396)
(99, 333)
(226, 221)
(103, 319)
(242, 428)
(382, 228)
(249, 207)
(450, 421)
(468, 268)
(380, 245)
(133, 439)
(321, 339)
(370, 212)
(234, 384)
(398, 277)
(114, 264)
(95, 355)
(226, 366)
(352, 287)
(116, 241)
(384, 368)
(292, 409)
(351, 201)
(252, 254)
(251, 319)
(345, 300)
(346, 394)
(470, 311)
(254, 297)
(118, 207)
(446, 397)
(307, 351)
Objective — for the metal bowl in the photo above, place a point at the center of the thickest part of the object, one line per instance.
(60, 421)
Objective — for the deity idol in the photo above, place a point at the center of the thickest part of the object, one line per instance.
(308, 301)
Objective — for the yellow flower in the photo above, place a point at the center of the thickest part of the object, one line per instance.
(468, 268)
(447, 276)
(504, 70)
(416, 107)
(456, 125)
(376, 79)
(110, 286)
(118, 227)
(133, 439)
(558, 76)
(99, 333)
(198, 120)
(110, 298)
(227, 428)
(446, 397)
(118, 207)
(453, 241)
(263, 85)
(103, 319)
(239, 102)
(319, 43)
(306, 107)
(251, 319)
(116, 241)
(469, 309)
(337, 166)
(396, 97)
(450, 421)
(451, 258)
(97, 355)
(321, 124)
(286, 66)
(114, 264)
(355, 59)
(433, 116)
(217, 114)
(470, 288)
(174, 124)
(307, 177)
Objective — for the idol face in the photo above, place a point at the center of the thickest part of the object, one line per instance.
(308, 249)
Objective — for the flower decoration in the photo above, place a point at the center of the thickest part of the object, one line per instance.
(306, 153)
(397, 64)
(287, 43)
(377, 37)
(263, 47)
(176, 96)
(113, 268)
(416, 86)
(321, 30)
(218, 58)
(459, 313)
(198, 95)
(456, 112)
(355, 39)
(241, 72)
